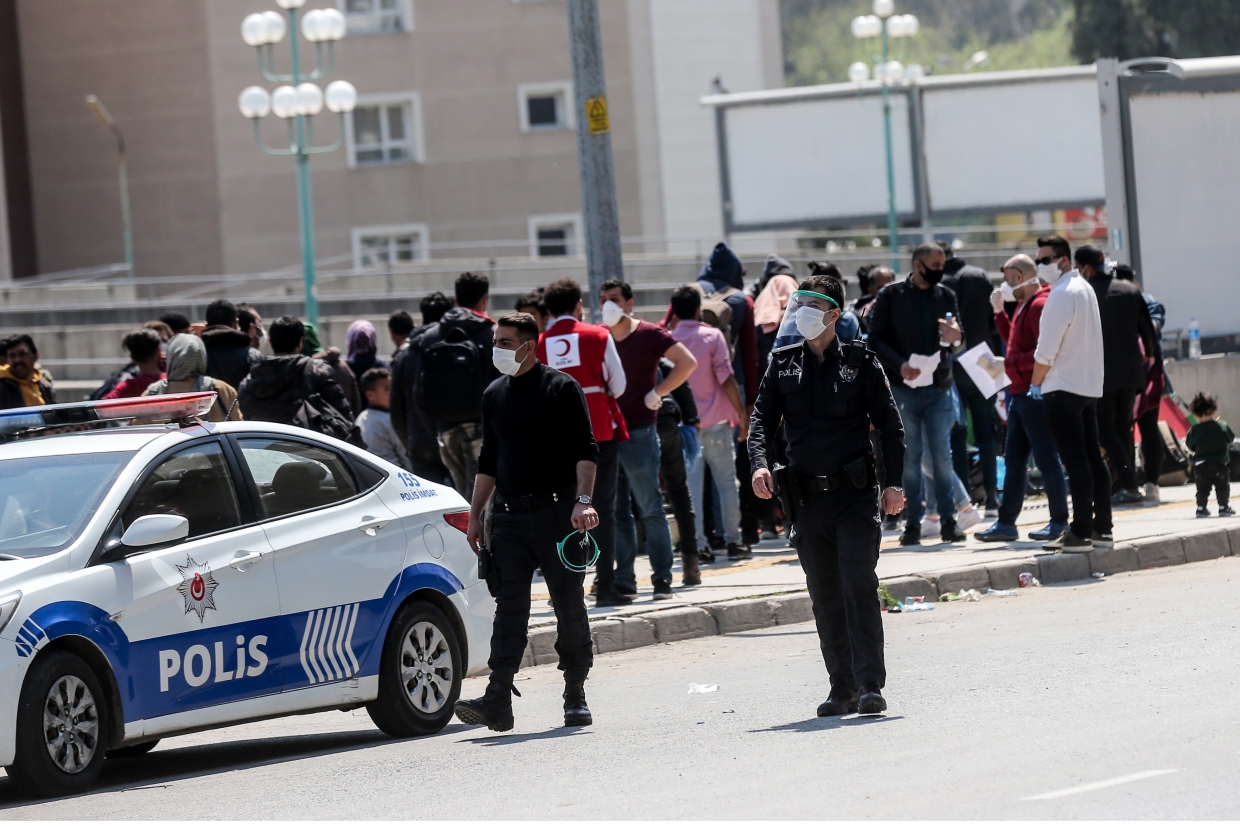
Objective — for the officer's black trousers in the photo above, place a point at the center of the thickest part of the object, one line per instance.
(839, 534)
(521, 543)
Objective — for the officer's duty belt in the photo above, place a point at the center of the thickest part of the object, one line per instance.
(824, 485)
(532, 502)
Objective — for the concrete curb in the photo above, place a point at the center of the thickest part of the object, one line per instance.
(621, 633)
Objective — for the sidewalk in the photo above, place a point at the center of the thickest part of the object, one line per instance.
(775, 570)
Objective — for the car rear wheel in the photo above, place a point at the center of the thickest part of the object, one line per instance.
(62, 728)
(420, 676)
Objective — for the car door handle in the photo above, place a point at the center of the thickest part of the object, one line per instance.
(371, 526)
(244, 558)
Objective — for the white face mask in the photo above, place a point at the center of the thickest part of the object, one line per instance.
(1049, 273)
(1009, 292)
(810, 322)
(505, 361)
(612, 313)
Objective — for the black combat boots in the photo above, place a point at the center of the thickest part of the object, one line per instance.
(576, 713)
(841, 701)
(493, 710)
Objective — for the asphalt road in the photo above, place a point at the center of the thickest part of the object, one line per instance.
(1110, 699)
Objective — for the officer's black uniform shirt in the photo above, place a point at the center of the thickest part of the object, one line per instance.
(535, 429)
(826, 409)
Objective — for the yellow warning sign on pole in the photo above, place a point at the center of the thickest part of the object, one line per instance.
(596, 116)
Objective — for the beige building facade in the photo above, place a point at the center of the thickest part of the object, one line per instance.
(462, 145)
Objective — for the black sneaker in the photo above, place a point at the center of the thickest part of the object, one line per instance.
(662, 591)
(1203, 512)
(612, 597)
(871, 701)
(952, 533)
(1069, 542)
(839, 702)
(736, 551)
(705, 555)
(1226, 511)
(629, 591)
(1103, 539)
(911, 536)
(1128, 497)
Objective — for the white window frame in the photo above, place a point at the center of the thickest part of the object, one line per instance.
(417, 145)
(576, 244)
(356, 27)
(562, 89)
(391, 231)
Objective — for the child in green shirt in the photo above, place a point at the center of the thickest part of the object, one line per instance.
(1210, 441)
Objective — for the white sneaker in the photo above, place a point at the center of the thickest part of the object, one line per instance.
(1151, 493)
(930, 526)
(967, 517)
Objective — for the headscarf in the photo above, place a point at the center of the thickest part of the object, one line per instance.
(362, 338)
(310, 344)
(768, 309)
(187, 359)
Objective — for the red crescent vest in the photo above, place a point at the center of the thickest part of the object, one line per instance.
(578, 349)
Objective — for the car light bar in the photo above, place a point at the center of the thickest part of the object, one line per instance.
(169, 408)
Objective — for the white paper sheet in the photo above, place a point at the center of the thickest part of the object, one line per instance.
(927, 366)
(985, 369)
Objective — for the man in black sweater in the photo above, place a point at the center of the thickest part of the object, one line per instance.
(539, 460)
(1127, 330)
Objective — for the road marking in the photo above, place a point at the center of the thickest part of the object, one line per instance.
(1100, 785)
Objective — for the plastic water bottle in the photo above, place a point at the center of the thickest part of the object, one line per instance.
(1194, 340)
(943, 342)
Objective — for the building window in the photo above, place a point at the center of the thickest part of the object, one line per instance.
(377, 16)
(545, 107)
(555, 236)
(385, 130)
(389, 246)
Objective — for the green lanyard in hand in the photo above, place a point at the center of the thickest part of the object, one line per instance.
(583, 543)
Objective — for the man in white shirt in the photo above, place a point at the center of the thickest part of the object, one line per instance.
(1067, 376)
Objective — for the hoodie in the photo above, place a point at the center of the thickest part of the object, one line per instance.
(480, 330)
(724, 270)
(187, 365)
(229, 355)
(278, 385)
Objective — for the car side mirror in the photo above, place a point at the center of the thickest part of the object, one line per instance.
(155, 529)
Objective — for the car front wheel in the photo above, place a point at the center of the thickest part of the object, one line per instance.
(62, 728)
(420, 677)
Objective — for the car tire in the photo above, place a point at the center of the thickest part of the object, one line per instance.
(420, 674)
(133, 750)
(59, 752)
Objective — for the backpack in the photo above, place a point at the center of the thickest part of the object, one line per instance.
(717, 313)
(112, 381)
(314, 414)
(451, 379)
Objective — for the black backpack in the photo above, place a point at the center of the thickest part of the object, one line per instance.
(314, 414)
(452, 378)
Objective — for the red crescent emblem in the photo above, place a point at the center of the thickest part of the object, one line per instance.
(197, 588)
(567, 347)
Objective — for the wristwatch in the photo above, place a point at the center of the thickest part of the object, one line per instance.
(585, 499)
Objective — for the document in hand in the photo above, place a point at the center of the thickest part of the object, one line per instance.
(985, 369)
(927, 365)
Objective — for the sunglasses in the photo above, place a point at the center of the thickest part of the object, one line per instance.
(1047, 260)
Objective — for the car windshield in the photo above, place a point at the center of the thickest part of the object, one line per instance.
(45, 502)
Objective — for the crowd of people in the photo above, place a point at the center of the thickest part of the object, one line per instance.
(670, 403)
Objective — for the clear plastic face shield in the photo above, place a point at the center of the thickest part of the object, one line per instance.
(807, 316)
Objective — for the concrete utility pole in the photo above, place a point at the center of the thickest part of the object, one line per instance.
(598, 176)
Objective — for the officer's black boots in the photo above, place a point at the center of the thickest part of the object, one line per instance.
(493, 710)
(840, 702)
(951, 533)
(576, 713)
(911, 535)
(872, 701)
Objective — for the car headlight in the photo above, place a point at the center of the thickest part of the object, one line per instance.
(8, 607)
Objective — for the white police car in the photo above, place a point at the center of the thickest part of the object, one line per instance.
(158, 580)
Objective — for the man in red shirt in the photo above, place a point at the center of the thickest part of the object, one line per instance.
(641, 346)
(146, 352)
(587, 353)
(1027, 430)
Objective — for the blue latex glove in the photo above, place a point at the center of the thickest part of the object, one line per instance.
(1035, 392)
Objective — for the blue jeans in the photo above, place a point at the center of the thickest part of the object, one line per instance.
(640, 459)
(928, 417)
(719, 452)
(1028, 433)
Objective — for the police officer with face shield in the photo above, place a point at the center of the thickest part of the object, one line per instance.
(826, 394)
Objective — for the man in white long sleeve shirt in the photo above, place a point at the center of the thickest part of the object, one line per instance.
(1067, 376)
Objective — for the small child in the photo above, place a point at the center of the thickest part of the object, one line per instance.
(376, 423)
(1209, 440)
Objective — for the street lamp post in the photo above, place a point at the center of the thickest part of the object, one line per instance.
(122, 164)
(885, 24)
(298, 104)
